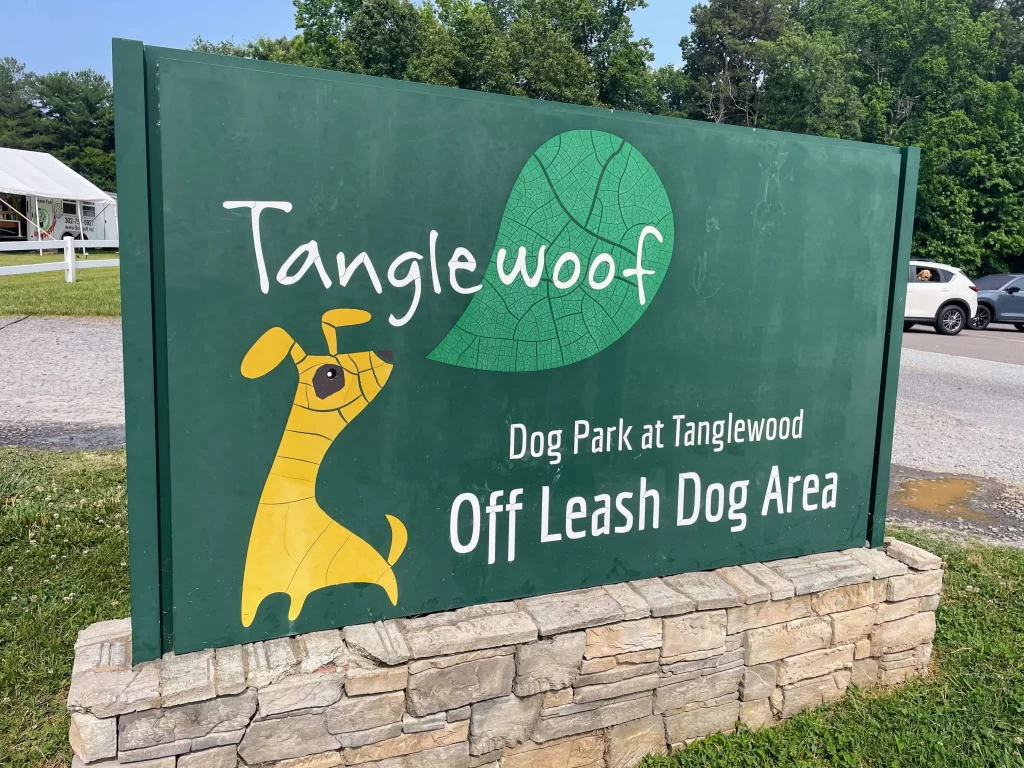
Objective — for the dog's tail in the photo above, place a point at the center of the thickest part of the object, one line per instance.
(399, 538)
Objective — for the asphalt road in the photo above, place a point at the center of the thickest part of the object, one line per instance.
(1000, 343)
(61, 382)
(960, 407)
(960, 413)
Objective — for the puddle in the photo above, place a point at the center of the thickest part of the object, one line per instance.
(947, 497)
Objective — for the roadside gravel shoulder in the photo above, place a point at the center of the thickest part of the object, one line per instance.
(960, 415)
(61, 382)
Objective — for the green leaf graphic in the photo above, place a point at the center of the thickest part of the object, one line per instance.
(584, 192)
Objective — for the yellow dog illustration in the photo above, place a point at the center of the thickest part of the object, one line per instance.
(295, 547)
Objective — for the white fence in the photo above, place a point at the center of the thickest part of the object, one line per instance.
(69, 265)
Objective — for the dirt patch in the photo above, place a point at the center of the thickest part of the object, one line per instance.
(948, 497)
(971, 506)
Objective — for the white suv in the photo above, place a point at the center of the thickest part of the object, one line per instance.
(939, 295)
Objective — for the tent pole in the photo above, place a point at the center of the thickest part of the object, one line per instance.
(35, 199)
(81, 227)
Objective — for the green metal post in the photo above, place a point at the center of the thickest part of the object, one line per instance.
(138, 347)
(902, 242)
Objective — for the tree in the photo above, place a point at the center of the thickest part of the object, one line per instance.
(931, 73)
(504, 12)
(78, 122)
(483, 59)
(385, 35)
(20, 124)
(722, 55)
(435, 62)
(624, 76)
(601, 31)
(971, 196)
(323, 23)
(808, 85)
(545, 64)
(285, 50)
(1009, 16)
(677, 91)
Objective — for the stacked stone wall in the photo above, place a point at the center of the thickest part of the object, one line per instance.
(594, 678)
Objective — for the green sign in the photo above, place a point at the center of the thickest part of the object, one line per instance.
(393, 349)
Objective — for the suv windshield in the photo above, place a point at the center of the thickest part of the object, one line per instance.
(992, 282)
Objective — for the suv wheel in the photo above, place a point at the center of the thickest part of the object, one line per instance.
(981, 320)
(907, 326)
(1019, 326)
(951, 320)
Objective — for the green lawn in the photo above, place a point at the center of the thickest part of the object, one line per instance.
(63, 565)
(47, 257)
(96, 292)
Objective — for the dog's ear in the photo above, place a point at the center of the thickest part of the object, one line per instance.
(338, 318)
(268, 352)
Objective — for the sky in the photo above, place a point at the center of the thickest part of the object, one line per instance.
(81, 39)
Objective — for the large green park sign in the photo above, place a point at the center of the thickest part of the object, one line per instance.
(393, 349)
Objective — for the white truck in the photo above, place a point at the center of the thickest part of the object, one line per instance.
(43, 199)
(58, 219)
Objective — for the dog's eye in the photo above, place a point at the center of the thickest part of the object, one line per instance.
(328, 380)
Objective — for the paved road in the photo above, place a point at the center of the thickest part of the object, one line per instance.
(1000, 343)
(61, 383)
(61, 386)
(959, 414)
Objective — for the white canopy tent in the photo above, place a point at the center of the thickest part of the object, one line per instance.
(42, 175)
(38, 175)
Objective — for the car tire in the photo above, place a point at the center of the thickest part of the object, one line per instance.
(907, 326)
(981, 320)
(1019, 326)
(950, 320)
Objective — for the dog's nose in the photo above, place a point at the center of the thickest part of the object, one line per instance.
(387, 355)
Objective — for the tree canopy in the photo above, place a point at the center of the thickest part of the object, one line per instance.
(68, 114)
(945, 75)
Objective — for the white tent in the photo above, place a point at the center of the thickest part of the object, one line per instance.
(42, 175)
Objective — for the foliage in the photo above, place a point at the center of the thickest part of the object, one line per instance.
(945, 75)
(68, 114)
(19, 121)
(811, 88)
(723, 56)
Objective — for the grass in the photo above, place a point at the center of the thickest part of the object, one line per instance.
(16, 259)
(63, 565)
(96, 292)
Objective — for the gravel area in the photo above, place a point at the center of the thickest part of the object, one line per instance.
(960, 415)
(61, 387)
(61, 382)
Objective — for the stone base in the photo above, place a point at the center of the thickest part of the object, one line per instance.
(595, 677)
